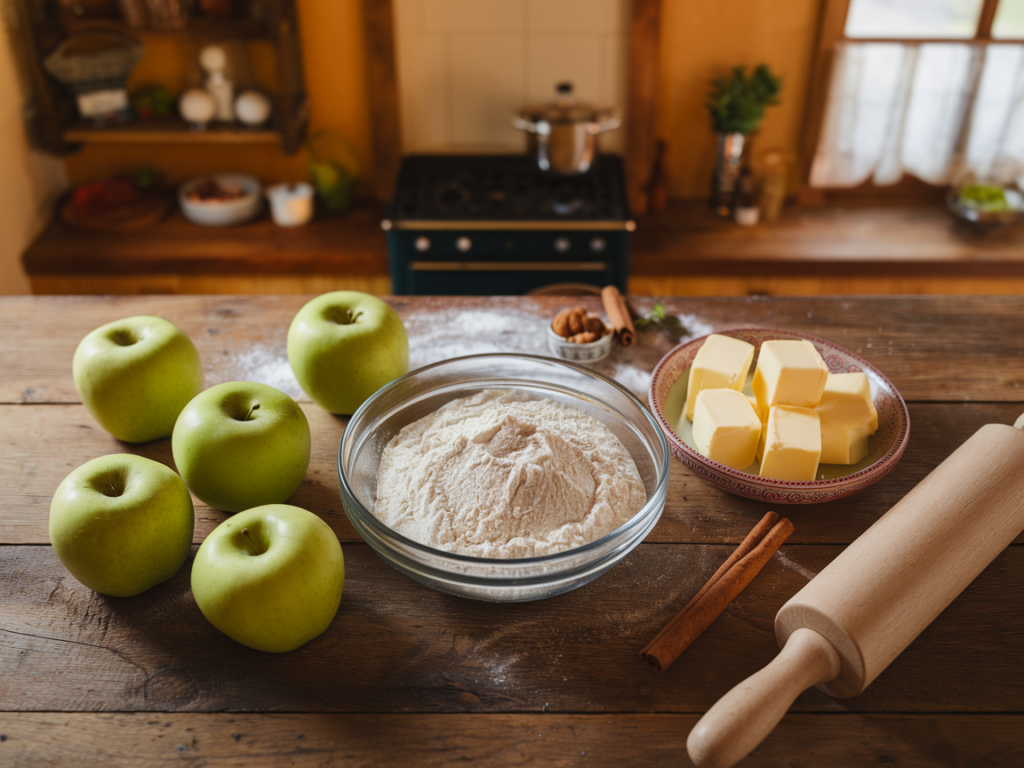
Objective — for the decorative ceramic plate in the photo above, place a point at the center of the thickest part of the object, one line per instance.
(885, 447)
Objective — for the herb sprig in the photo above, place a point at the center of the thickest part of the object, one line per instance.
(659, 319)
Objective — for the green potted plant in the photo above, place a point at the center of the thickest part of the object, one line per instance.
(737, 104)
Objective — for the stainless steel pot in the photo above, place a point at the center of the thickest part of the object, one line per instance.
(563, 135)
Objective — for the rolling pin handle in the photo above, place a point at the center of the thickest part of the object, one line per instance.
(741, 719)
(1019, 423)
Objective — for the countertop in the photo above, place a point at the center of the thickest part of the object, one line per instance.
(851, 239)
(409, 676)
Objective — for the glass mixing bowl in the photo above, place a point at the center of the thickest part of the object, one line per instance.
(425, 390)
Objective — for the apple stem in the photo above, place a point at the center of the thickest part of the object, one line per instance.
(245, 532)
(249, 414)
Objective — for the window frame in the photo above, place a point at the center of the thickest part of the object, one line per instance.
(831, 32)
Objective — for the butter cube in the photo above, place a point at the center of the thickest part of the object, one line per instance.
(722, 362)
(726, 427)
(848, 416)
(789, 373)
(841, 444)
(792, 447)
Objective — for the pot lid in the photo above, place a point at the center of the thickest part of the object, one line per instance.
(565, 109)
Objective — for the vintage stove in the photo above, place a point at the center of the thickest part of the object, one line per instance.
(494, 224)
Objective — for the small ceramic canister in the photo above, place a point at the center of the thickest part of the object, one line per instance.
(291, 205)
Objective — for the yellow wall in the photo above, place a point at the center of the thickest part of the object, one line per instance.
(29, 181)
(700, 40)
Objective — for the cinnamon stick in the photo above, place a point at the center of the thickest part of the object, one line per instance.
(618, 315)
(715, 596)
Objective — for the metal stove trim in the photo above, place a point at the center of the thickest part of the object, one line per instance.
(508, 266)
(436, 225)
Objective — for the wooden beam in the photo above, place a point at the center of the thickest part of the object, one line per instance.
(985, 19)
(643, 94)
(830, 32)
(382, 86)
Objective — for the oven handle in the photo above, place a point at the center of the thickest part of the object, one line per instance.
(508, 266)
(610, 226)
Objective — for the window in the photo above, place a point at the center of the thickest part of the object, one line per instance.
(932, 89)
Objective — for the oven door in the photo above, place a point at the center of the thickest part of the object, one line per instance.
(484, 263)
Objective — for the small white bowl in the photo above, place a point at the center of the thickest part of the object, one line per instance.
(580, 353)
(226, 213)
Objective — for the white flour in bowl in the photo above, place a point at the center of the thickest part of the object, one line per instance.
(503, 475)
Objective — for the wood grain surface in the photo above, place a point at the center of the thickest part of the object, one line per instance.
(407, 675)
(396, 646)
(432, 740)
(843, 240)
(933, 348)
(43, 444)
(177, 246)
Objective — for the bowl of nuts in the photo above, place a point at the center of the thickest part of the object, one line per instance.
(220, 200)
(579, 337)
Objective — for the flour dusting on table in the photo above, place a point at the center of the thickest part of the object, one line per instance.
(263, 364)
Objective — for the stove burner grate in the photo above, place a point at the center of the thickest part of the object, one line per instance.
(505, 188)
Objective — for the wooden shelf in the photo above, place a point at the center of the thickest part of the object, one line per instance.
(686, 251)
(196, 27)
(835, 240)
(166, 132)
(57, 128)
(352, 244)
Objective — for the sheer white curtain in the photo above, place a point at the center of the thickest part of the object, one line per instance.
(937, 111)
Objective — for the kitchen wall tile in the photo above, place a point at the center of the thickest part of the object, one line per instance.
(487, 87)
(556, 59)
(502, 16)
(425, 89)
(407, 14)
(465, 66)
(580, 17)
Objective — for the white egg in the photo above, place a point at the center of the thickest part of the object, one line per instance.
(196, 106)
(252, 108)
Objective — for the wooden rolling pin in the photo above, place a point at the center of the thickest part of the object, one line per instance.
(852, 619)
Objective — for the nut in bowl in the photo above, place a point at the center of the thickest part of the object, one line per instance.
(220, 200)
(668, 396)
(579, 337)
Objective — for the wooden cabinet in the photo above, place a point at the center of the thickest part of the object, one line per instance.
(686, 251)
(39, 27)
(176, 256)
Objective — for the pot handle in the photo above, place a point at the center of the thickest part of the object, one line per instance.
(607, 123)
(531, 126)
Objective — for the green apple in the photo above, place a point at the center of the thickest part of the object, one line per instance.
(135, 375)
(270, 577)
(344, 346)
(241, 444)
(122, 524)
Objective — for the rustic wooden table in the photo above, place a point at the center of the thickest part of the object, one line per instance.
(406, 675)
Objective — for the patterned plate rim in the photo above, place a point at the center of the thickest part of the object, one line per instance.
(882, 463)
